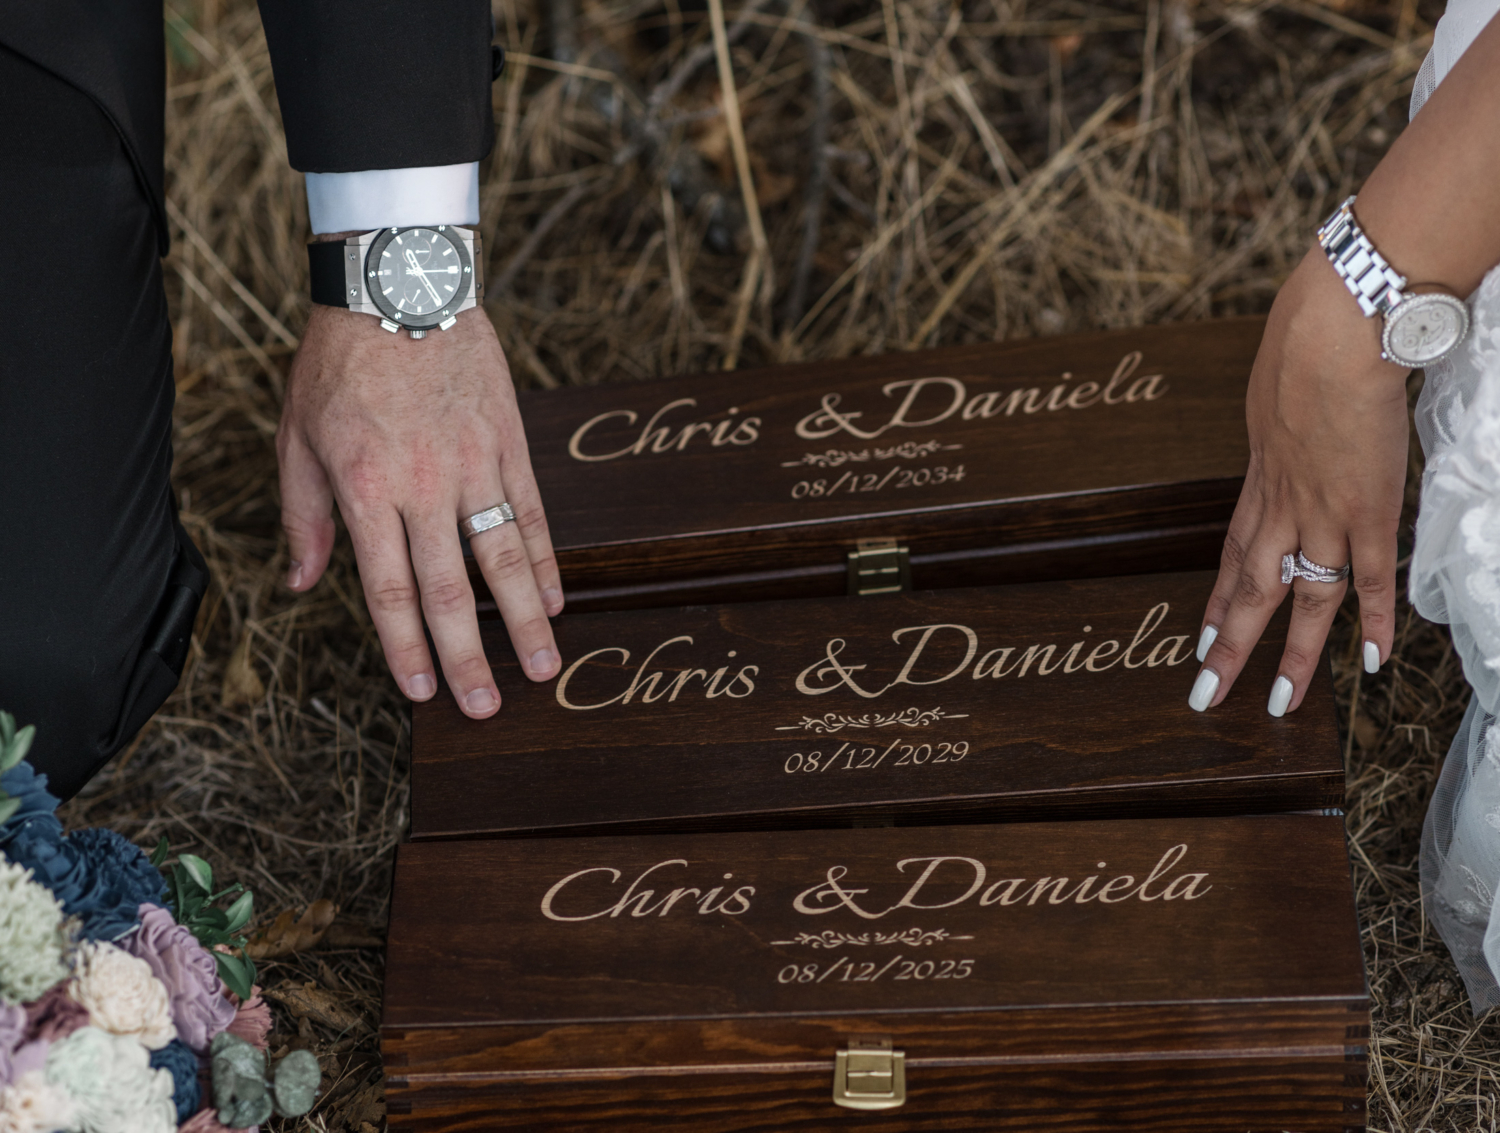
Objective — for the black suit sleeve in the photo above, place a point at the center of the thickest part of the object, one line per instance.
(381, 84)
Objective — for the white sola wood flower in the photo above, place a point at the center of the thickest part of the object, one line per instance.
(122, 995)
(32, 941)
(31, 1104)
(109, 1080)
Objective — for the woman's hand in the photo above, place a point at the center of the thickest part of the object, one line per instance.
(1328, 443)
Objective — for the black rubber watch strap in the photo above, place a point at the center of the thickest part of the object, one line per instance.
(326, 273)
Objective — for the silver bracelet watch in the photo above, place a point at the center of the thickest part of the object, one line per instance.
(419, 278)
(1419, 329)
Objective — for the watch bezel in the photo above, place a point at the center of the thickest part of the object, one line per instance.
(1407, 306)
(388, 309)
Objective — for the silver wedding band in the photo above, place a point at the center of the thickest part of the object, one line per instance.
(1300, 566)
(484, 520)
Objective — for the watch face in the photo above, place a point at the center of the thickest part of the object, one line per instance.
(418, 275)
(1424, 328)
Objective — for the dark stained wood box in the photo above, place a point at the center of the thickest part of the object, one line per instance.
(1045, 700)
(1073, 456)
(1164, 975)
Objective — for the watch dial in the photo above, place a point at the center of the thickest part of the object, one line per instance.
(420, 272)
(1425, 328)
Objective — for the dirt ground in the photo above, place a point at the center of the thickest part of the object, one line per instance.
(920, 172)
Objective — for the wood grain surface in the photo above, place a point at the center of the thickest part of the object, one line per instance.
(579, 983)
(919, 707)
(1076, 455)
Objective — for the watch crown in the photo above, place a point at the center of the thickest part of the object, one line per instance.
(416, 333)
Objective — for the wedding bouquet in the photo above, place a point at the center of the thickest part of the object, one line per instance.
(124, 1005)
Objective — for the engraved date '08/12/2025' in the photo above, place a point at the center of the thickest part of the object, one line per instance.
(897, 477)
(851, 757)
(846, 970)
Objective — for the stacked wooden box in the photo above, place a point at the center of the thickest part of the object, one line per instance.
(829, 851)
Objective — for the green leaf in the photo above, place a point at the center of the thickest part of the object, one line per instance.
(199, 870)
(241, 911)
(159, 854)
(238, 972)
(214, 919)
(7, 729)
(9, 806)
(19, 746)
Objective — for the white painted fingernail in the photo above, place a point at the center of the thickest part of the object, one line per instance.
(1203, 690)
(1372, 657)
(1281, 696)
(1205, 640)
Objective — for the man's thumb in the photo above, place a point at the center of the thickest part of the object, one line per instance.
(306, 514)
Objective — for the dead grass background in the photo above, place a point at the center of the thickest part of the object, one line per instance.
(991, 169)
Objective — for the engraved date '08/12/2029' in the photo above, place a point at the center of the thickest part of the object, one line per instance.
(851, 757)
(846, 970)
(897, 477)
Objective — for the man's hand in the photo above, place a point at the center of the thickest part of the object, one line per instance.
(410, 437)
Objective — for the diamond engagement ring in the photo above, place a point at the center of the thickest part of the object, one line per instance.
(1300, 566)
(484, 520)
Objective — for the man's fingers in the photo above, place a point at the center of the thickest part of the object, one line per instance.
(1314, 605)
(531, 522)
(448, 604)
(391, 593)
(504, 558)
(1256, 595)
(306, 512)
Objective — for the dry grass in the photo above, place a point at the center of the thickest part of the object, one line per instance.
(994, 170)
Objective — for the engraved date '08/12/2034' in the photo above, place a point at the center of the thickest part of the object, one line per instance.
(896, 477)
(851, 757)
(847, 970)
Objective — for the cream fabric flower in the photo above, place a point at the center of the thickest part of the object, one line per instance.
(31, 1104)
(122, 995)
(109, 1079)
(32, 940)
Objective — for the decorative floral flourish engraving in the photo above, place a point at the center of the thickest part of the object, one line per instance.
(836, 721)
(912, 938)
(906, 450)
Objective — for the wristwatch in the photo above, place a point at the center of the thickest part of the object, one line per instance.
(1419, 329)
(418, 278)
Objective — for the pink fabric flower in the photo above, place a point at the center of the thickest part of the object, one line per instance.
(252, 1021)
(55, 1016)
(199, 1008)
(206, 1120)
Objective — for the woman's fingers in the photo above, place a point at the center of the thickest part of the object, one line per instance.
(1257, 593)
(1242, 528)
(1374, 577)
(1314, 605)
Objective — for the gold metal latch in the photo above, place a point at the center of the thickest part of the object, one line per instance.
(869, 1075)
(878, 566)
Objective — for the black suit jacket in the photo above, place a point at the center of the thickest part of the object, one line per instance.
(363, 84)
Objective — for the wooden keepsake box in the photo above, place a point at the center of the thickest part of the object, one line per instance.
(1164, 975)
(1045, 700)
(1073, 456)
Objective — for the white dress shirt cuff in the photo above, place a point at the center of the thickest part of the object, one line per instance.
(393, 198)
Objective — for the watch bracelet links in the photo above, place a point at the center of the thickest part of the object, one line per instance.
(1375, 285)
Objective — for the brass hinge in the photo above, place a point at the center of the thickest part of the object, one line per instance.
(878, 566)
(869, 1075)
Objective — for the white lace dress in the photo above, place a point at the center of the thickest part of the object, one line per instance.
(1455, 578)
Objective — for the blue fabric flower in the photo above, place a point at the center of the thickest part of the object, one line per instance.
(187, 1094)
(37, 803)
(99, 876)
